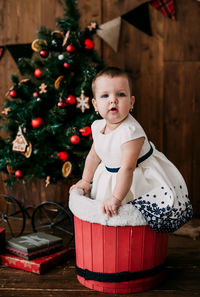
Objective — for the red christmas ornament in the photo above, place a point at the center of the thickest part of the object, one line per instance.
(44, 53)
(70, 48)
(71, 99)
(62, 104)
(62, 156)
(75, 139)
(35, 94)
(38, 72)
(85, 131)
(36, 122)
(66, 65)
(18, 173)
(13, 94)
(89, 44)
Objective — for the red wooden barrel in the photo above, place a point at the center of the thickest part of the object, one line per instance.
(123, 259)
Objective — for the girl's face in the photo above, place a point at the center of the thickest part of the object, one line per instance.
(112, 98)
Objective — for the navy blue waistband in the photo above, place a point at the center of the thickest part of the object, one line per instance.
(140, 160)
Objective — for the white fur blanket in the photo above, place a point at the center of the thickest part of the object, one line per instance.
(90, 210)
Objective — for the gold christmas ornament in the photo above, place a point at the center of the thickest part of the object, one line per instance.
(20, 143)
(66, 169)
(57, 82)
(83, 103)
(28, 151)
(43, 88)
(38, 44)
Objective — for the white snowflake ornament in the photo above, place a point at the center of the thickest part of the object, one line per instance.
(83, 103)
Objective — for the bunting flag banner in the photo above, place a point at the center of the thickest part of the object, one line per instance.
(20, 51)
(1, 51)
(166, 7)
(139, 17)
(110, 32)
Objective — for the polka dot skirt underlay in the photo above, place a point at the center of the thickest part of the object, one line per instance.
(162, 212)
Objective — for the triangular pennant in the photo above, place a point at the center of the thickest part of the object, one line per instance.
(110, 32)
(166, 7)
(20, 51)
(139, 17)
(1, 51)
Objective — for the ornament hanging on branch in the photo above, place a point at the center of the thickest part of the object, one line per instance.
(66, 65)
(13, 93)
(20, 143)
(28, 151)
(44, 53)
(57, 40)
(83, 103)
(38, 45)
(47, 181)
(61, 104)
(89, 44)
(70, 48)
(92, 25)
(57, 81)
(66, 169)
(62, 156)
(18, 173)
(43, 88)
(75, 139)
(85, 131)
(6, 111)
(10, 169)
(71, 99)
(38, 73)
(37, 122)
(24, 80)
(65, 38)
(35, 94)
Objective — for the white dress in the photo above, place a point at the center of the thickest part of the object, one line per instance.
(158, 189)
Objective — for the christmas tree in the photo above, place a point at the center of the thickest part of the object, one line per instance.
(47, 113)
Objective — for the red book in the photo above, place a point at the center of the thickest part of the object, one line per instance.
(39, 265)
(2, 240)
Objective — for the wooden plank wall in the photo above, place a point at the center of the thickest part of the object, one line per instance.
(165, 69)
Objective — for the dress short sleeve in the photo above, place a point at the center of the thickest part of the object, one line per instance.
(97, 126)
(131, 132)
(93, 128)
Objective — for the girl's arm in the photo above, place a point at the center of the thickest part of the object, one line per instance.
(130, 154)
(91, 163)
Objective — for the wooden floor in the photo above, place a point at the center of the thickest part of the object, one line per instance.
(182, 277)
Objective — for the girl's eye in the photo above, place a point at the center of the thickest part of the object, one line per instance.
(104, 96)
(121, 94)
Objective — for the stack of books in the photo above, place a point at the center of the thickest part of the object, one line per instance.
(35, 252)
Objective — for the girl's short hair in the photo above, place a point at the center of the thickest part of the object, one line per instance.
(112, 72)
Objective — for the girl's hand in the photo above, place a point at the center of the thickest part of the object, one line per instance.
(111, 205)
(81, 184)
